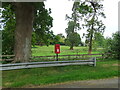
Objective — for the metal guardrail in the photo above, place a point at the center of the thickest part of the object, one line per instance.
(3, 67)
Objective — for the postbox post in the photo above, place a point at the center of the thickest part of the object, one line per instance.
(56, 57)
(57, 50)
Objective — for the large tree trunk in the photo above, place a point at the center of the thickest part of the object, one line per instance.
(23, 32)
(90, 44)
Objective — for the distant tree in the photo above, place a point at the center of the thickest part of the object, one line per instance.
(69, 32)
(73, 39)
(42, 24)
(61, 35)
(33, 39)
(56, 39)
(116, 45)
(43, 38)
(62, 39)
(98, 41)
(108, 44)
(89, 11)
(113, 45)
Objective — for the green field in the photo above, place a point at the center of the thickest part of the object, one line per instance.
(46, 51)
(43, 76)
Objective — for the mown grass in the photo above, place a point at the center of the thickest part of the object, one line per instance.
(49, 51)
(43, 76)
(46, 51)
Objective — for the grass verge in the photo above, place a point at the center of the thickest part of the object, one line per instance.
(43, 76)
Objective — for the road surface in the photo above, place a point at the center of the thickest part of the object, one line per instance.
(101, 83)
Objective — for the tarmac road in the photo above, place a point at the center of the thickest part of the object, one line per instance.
(101, 83)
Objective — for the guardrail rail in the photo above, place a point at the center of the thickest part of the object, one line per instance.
(14, 66)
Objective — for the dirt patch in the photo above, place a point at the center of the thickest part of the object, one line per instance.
(8, 83)
(115, 65)
(105, 65)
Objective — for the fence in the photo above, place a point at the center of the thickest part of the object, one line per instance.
(7, 58)
(68, 57)
(61, 57)
(47, 64)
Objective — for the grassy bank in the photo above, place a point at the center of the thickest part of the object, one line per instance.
(43, 76)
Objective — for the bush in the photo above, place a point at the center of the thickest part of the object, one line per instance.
(113, 45)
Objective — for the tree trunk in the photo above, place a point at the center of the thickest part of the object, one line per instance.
(91, 34)
(90, 44)
(23, 32)
(71, 47)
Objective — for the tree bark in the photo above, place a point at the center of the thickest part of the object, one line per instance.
(71, 47)
(91, 32)
(23, 33)
(90, 44)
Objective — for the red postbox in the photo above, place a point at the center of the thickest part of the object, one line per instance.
(57, 48)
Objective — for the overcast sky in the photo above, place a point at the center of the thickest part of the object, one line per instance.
(60, 8)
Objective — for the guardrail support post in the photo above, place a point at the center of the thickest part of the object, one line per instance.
(94, 59)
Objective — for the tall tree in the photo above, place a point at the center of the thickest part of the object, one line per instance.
(25, 13)
(73, 38)
(24, 25)
(75, 16)
(90, 11)
(73, 27)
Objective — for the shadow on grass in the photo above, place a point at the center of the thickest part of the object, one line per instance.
(34, 47)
